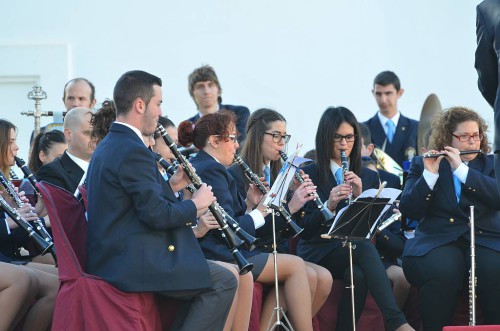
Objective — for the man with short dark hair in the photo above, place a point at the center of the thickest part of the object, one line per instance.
(394, 133)
(139, 235)
(205, 89)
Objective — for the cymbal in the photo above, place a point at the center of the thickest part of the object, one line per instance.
(431, 107)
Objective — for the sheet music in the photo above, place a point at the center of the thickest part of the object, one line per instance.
(277, 193)
(388, 193)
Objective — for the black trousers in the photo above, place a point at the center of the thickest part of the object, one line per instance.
(442, 274)
(369, 274)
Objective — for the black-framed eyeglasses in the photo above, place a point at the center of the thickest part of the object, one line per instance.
(348, 138)
(467, 137)
(278, 136)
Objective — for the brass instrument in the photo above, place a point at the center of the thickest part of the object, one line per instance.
(231, 234)
(254, 179)
(438, 154)
(324, 210)
(385, 162)
(472, 271)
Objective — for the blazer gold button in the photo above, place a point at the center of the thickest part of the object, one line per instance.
(171, 248)
(427, 199)
(386, 237)
(452, 220)
(188, 224)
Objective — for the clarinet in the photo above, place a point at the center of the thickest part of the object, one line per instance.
(43, 245)
(254, 179)
(232, 236)
(472, 271)
(42, 231)
(317, 199)
(28, 174)
(345, 168)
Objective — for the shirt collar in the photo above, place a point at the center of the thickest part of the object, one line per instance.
(81, 163)
(133, 128)
(384, 119)
(334, 167)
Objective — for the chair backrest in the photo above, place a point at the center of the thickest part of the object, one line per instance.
(69, 227)
(83, 193)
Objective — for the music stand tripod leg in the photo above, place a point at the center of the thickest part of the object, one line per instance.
(349, 244)
(278, 310)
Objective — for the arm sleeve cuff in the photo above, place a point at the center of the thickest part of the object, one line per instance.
(258, 219)
(461, 172)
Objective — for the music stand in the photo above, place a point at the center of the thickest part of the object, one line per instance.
(274, 202)
(357, 222)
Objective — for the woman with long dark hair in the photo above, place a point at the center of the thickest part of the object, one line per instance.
(338, 131)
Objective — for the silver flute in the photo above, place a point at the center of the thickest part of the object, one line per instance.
(393, 218)
(438, 154)
(472, 271)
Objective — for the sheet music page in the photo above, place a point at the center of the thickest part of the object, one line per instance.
(389, 193)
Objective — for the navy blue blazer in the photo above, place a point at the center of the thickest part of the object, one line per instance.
(224, 188)
(443, 219)
(139, 235)
(404, 137)
(311, 246)
(242, 113)
(393, 181)
(62, 172)
(486, 63)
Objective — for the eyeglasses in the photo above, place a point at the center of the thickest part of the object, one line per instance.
(277, 137)
(466, 137)
(232, 137)
(348, 138)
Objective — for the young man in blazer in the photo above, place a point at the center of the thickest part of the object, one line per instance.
(394, 133)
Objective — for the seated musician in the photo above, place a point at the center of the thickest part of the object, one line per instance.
(439, 191)
(12, 237)
(266, 137)
(338, 130)
(139, 235)
(68, 170)
(215, 135)
(239, 316)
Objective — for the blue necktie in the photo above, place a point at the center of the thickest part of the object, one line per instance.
(339, 176)
(390, 130)
(458, 187)
(267, 175)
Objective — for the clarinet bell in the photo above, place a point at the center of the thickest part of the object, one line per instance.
(243, 265)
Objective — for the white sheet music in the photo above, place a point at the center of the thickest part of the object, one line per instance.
(277, 193)
(388, 193)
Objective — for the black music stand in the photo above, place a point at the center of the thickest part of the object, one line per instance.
(357, 222)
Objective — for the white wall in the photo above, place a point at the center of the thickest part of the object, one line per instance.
(294, 56)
